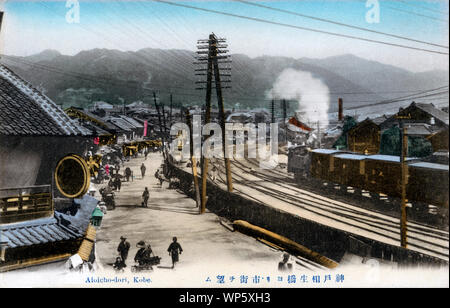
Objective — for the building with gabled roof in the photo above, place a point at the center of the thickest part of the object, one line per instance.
(105, 131)
(419, 113)
(35, 134)
(25, 111)
(365, 136)
(78, 113)
(30, 125)
(101, 105)
(132, 121)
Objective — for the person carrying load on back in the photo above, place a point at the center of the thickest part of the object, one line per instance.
(144, 254)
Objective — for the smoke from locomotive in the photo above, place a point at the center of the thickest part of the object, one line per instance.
(311, 94)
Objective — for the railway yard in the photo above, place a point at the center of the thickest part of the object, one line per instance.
(275, 188)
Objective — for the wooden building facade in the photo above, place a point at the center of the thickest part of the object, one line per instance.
(365, 136)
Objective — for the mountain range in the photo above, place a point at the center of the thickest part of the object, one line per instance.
(123, 77)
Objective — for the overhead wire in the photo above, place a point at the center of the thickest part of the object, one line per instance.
(105, 79)
(240, 68)
(261, 20)
(145, 59)
(393, 8)
(339, 23)
(410, 3)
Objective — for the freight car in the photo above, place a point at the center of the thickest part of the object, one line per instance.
(375, 175)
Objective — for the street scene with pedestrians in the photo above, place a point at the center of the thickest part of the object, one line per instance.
(185, 241)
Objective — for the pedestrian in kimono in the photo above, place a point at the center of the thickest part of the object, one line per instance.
(119, 264)
(128, 173)
(145, 196)
(123, 248)
(174, 249)
(117, 182)
(143, 170)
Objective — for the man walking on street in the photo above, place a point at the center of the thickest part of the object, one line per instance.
(128, 173)
(117, 182)
(145, 196)
(174, 249)
(123, 248)
(143, 170)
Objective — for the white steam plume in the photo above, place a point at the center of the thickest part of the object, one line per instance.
(311, 94)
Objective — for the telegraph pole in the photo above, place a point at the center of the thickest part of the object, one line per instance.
(208, 54)
(164, 119)
(404, 179)
(204, 160)
(318, 134)
(170, 113)
(284, 119)
(272, 109)
(160, 124)
(193, 161)
(222, 119)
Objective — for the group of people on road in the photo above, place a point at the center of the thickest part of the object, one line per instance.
(115, 181)
(145, 254)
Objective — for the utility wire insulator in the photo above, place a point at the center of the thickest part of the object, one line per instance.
(202, 58)
(207, 81)
(221, 75)
(213, 88)
(207, 52)
(220, 68)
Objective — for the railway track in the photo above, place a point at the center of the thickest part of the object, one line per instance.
(274, 191)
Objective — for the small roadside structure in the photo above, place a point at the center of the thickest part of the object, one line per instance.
(97, 216)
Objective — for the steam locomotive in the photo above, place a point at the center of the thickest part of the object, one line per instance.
(376, 175)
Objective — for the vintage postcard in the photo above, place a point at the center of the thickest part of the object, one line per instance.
(232, 144)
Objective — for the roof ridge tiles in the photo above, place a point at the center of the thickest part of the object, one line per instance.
(41, 102)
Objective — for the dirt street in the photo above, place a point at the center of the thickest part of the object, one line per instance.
(209, 249)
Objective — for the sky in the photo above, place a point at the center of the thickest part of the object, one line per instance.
(30, 27)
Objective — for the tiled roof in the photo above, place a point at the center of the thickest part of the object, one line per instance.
(121, 123)
(102, 105)
(379, 120)
(35, 232)
(435, 112)
(132, 121)
(26, 111)
(421, 129)
(108, 125)
(96, 129)
(60, 227)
